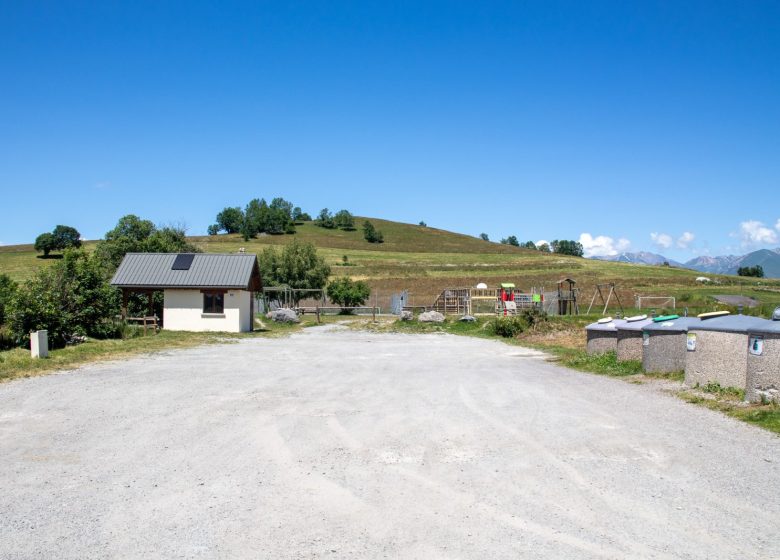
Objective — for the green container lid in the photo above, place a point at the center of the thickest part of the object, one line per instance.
(665, 318)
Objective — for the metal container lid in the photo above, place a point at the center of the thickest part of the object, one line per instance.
(770, 327)
(679, 325)
(731, 323)
(612, 326)
(634, 325)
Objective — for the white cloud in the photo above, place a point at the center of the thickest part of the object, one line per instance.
(542, 242)
(753, 232)
(777, 225)
(602, 245)
(685, 240)
(662, 240)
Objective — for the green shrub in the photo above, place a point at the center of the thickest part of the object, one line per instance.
(533, 316)
(6, 339)
(514, 325)
(508, 327)
(7, 289)
(70, 297)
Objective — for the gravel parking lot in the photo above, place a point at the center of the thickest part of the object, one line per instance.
(341, 444)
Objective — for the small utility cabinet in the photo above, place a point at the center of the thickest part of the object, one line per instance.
(39, 344)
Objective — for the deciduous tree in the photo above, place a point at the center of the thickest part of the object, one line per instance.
(61, 238)
(230, 219)
(346, 292)
(344, 220)
(44, 243)
(297, 265)
(325, 219)
(371, 234)
(135, 235)
(567, 247)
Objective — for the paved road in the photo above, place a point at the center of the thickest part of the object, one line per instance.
(336, 444)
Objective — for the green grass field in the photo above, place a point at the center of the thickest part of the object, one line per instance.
(426, 260)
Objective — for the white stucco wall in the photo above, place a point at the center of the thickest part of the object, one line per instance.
(183, 311)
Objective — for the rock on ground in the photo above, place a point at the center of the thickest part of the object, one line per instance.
(431, 317)
(283, 316)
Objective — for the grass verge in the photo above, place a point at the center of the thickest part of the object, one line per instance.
(17, 363)
(766, 416)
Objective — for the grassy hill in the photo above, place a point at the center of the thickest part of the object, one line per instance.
(427, 260)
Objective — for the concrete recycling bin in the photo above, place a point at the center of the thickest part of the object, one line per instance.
(602, 337)
(763, 363)
(717, 351)
(629, 339)
(664, 345)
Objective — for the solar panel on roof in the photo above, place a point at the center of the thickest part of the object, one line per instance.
(183, 262)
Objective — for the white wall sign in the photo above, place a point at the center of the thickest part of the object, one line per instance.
(691, 342)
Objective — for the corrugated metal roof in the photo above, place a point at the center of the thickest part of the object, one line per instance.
(208, 270)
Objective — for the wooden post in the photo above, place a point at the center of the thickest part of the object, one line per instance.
(124, 303)
(373, 314)
(318, 314)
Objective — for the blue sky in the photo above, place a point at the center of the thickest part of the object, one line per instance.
(627, 125)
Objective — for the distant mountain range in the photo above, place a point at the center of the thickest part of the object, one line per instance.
(642, 257)
(768, 259)
(728, 264)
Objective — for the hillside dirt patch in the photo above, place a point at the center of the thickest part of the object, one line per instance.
(735, 300)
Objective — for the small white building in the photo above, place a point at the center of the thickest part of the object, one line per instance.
(202, 291)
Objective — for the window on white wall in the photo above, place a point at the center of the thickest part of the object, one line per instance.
(213, 302)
